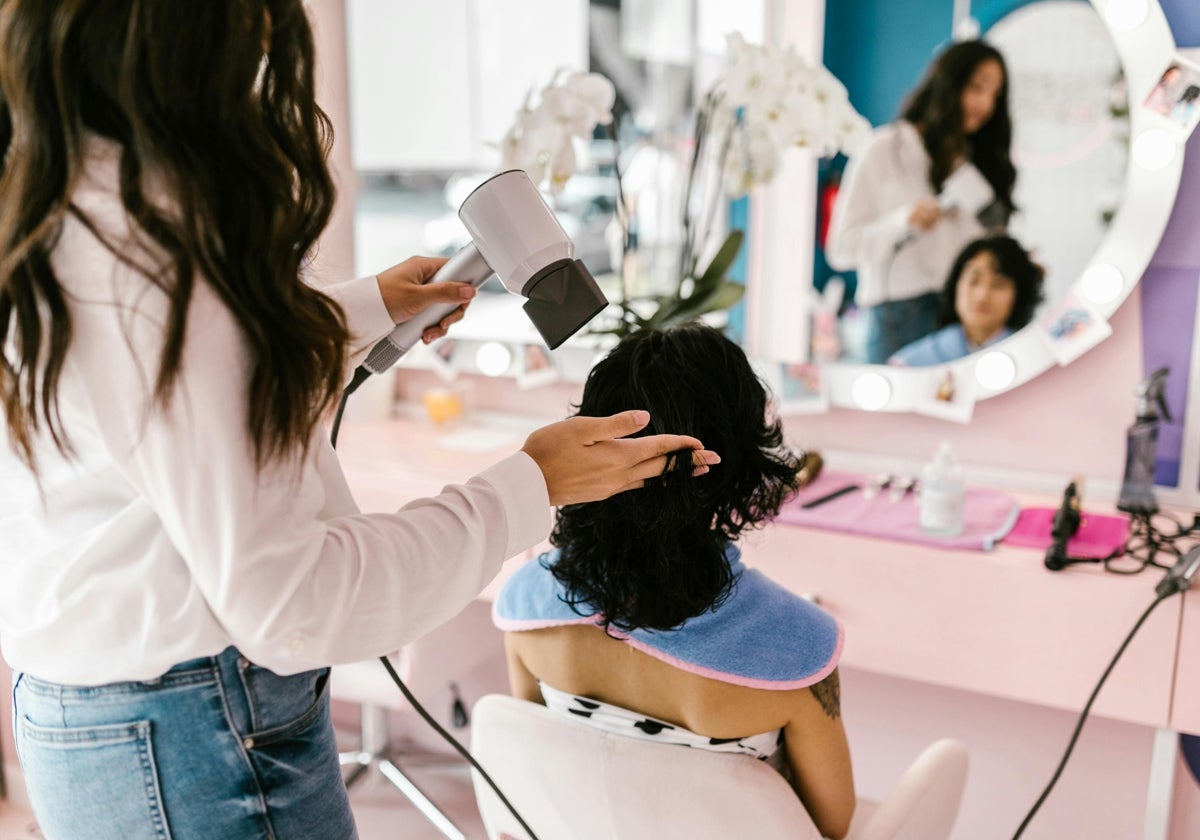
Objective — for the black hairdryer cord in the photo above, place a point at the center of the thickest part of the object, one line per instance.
(1083, 715)
(454, 743)
(360, 376)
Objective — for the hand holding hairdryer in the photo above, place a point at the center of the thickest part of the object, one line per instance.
(515, 236)
(965, 190)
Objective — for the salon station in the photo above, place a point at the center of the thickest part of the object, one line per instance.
(998, 507)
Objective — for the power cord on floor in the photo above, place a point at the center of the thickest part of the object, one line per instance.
(360, 376)
(1177, 579)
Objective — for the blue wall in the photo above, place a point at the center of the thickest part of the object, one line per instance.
(879, 48)
(1184, 18)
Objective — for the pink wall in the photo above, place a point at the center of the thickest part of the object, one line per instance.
(335, 258)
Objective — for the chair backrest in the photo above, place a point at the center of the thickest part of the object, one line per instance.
(573, 781)
(923, 804)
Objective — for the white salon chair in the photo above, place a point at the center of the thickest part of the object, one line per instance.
(428, 666)
(569, 780)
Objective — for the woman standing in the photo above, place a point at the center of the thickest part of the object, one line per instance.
(180, 555)
(888, 222)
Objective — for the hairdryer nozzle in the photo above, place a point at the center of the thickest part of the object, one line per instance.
(563, 297)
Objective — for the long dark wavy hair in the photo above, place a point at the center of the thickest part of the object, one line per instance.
(1013, 262)
(935, 108)
(655, 557)
(214, 100)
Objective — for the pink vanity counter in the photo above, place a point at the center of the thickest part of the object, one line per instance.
(995, 622)
(987, 646)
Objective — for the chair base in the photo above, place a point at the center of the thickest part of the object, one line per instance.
(362, 761)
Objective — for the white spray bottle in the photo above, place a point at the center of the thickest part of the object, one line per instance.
(942, 494)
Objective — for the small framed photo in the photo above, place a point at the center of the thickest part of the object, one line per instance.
(1071, 328)
(1176, 95)
(947, 392)
(801, 388)
(537, 367)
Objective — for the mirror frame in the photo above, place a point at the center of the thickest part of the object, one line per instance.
(789, 203)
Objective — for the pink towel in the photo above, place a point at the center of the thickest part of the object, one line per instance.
(1098, 535)
(988, 514)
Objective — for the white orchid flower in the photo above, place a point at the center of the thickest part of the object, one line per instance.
(540, 140)
(562, 165)
(852, 132)
(594, 91)
(747, 72)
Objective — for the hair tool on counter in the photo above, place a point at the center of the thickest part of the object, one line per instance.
(1065, 525)
(877, 484)
(901, 486)
(1152, 532)
(1141, 446)
(516, 236)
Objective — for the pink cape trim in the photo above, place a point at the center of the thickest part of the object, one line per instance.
(514, 626)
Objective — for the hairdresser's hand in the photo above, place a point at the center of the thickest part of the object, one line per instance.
(585, 459)
(406, 292)
(925, 214)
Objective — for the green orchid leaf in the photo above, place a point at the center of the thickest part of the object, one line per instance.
(717, 268)
(720, 298)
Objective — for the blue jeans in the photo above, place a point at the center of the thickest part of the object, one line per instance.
(215, 748)
(895, 323)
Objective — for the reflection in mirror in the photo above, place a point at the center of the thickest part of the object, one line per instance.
(813, 372)
(1062, 92)
(991, 290)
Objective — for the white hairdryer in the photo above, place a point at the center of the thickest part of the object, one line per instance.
(514, 235)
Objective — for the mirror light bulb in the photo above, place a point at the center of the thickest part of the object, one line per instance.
(1124, 15)
(871, 391)
(1101, 283)
(1153, 149)
(995, 370)
(493, 358)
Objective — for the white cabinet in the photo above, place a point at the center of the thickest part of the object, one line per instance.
(434, 84)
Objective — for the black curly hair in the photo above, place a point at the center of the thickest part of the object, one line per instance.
(655, 557)
(1013, 262)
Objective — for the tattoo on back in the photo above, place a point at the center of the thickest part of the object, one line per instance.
(829, 695)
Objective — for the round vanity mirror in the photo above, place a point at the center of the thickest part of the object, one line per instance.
(1097, 172)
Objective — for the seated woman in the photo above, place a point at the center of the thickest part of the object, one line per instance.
(644, 621)
(992, 291)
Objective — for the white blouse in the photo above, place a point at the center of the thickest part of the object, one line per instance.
(869, 232)
(161, 542)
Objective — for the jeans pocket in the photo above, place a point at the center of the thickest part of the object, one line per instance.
(283, 706)
(105, 769)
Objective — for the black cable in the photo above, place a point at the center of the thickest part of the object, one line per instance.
(1083, 715)
(360, 376)
(454, 743)
(1147, 541)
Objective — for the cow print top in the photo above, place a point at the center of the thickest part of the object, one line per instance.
(764, 746)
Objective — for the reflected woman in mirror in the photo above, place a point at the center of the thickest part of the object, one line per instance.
(991, 292)
(644, 620)
(896, 221)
